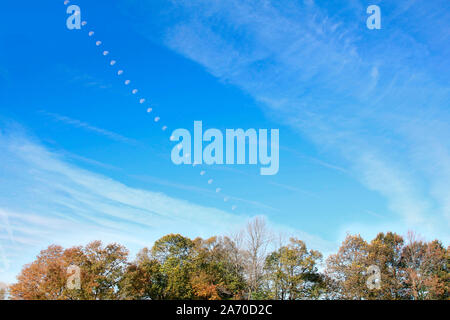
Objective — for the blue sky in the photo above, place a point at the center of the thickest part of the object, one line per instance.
(363, 118)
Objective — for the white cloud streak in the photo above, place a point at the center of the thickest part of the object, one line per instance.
(370, 98)
(86, 126)
(50, 201)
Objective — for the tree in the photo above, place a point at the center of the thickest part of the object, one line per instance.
(215, 273)
(418, 270)
(102, 269)
(346, 270)
(426, 268)
(257, 239)
(3, 294)
(385, 252)
(174, 253)
(43, 279)
(3, 291)
(143, 279)
(180, 268)
(238, 267)
(46, 277)
(292, 272)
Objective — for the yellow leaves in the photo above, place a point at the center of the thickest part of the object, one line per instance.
(180, 268)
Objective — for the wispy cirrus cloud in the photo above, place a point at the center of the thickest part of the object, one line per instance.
(86, 126)
(47, 200)
(377, 99)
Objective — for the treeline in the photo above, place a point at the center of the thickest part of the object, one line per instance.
(248, 265)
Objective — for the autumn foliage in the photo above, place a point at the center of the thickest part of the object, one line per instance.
(246, 266)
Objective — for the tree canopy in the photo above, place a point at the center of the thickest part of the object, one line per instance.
(247, 265)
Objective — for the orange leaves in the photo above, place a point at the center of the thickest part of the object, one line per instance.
(177, 267)
(46, 277)
(203, 287)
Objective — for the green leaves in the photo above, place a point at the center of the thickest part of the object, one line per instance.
(291, 272)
